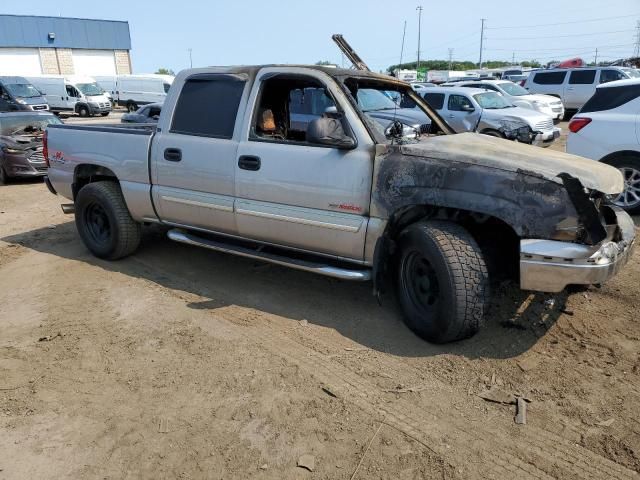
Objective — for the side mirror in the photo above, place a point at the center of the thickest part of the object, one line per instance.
(329, 132)
(468, 108)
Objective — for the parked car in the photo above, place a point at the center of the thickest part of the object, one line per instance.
(21, 143)
(607, 129)
(422, 86)
(574, 86)
(520, 97)
(73, 94)
(147, 114)
(343, 197)
(477, 110)
(133, 91)
(16, 93)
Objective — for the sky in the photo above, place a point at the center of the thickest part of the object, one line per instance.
(298, 31)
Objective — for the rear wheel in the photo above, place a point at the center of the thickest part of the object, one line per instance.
(104, 222)
(629, 199)
(442, 281)
(4, 178)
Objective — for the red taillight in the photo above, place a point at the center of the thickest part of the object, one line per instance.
(578, 123)
(522, 82)
(45, 148)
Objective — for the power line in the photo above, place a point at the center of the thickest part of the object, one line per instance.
(565, 23)
(561, 36)
(554, 49)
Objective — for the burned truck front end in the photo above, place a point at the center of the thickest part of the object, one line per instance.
(554, 204)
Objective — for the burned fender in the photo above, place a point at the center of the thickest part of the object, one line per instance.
(532, 205)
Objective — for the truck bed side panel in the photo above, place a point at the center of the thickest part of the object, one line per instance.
(124, 151)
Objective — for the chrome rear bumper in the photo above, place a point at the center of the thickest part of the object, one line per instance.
(549, 266)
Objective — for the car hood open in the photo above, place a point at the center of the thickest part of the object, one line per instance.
(497, 153)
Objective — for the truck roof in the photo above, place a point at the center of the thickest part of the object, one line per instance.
(334, 72)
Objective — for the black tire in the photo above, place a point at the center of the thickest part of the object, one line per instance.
(104, 222)
(442, 281)
(83, 111)
(4, 177)
(629, 166)
(132, 107)
(105, 114)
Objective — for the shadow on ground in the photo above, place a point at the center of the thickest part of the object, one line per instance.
(515, 323)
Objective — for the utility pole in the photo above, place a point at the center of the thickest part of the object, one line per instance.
(596, 59)
(450, 57)
(636, 52)
(419, 9)
(404, 33)
(190, 57)
(481, 41)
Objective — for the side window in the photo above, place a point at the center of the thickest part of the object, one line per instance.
(457, 103)
(154, 112)
(435, 100)
(549, 78)
(611, 76)
(287, 106)
(145, 112)
(207, 106)
(582, 77)
(72, 92)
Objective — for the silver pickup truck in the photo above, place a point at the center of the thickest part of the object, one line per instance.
(342, 193)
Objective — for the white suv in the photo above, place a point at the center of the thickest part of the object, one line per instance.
(607, 129)
(517, 95)
(574, 86)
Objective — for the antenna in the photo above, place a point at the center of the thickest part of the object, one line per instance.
(404, 33)
(419, 9)
(350, 53)
(450, 57)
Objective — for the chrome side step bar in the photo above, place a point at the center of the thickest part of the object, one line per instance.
(306, 265)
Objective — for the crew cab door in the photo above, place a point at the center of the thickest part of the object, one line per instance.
(194, 153)
(580, 87)
(293, 193)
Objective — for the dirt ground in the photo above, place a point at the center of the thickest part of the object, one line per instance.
(183, 363)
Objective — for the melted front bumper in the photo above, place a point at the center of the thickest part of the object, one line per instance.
(550, 266)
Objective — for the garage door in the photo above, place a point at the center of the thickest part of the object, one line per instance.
(20, 61)
(94, 62)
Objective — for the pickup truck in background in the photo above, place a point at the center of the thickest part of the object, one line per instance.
(229, 167)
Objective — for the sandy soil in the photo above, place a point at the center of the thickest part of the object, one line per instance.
(182, 363)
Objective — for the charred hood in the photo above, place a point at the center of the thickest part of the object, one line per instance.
(486, 151)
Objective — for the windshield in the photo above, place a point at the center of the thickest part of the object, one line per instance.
(371, 100)
(23, 90)
(90, 89)
(632, 72)
(513, 89)
(492, 100)
(11, 125)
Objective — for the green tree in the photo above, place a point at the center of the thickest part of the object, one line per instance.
(165, 71)
(324, 62)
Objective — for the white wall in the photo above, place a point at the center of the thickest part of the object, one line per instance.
(20, 61)
(94, 62)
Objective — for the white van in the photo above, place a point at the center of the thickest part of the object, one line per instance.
(73, 94)
(131, 91)
(574, 86)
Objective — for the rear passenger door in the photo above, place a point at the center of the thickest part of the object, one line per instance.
(458, 118)
(580, 88)
(194, 154)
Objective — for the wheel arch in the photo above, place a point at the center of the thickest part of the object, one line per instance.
(620, 154)
(86, 173)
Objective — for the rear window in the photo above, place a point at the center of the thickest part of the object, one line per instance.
(207, 106)
(582, 77)
(611, 76)
(612, 97)
(435, 100)
(549, 78)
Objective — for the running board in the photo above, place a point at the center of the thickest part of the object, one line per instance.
(306, 265)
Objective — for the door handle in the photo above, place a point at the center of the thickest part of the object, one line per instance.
(173, 154)
(249, 162)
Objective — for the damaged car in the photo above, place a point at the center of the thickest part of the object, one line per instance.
(345, 194)
(21, 143)
(483, 111)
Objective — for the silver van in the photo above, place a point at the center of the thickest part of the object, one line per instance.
(16, 93)
(574, 86)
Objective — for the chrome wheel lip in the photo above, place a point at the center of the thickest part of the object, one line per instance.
(630, 197)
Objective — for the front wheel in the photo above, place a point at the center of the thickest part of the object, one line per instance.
(629, 199)
(132, 107)
(104, 222)
(105, 114)
(4, 178)
(442, 281)
(83, 111)
(493, 133)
